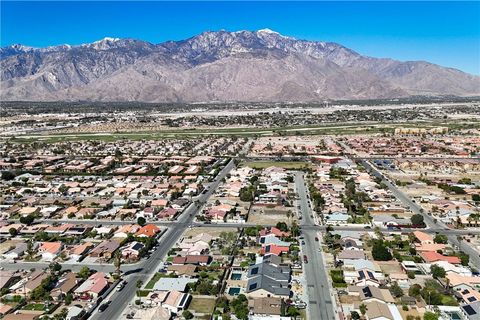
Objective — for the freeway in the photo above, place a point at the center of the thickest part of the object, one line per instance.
(432, 224)
(121, 299)
(320, 305)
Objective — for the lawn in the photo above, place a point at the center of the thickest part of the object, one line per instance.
(202, 305)
(449, 301)
(292, 165)
(154, 280)
(143, 293)
(337, 278)
(35, 307)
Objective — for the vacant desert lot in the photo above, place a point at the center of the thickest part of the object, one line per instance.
(266, 215)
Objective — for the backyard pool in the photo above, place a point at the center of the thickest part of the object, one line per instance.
(234, 291)
(236, 276)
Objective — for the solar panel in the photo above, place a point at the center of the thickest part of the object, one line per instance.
(367, 292)
(469, 310)
(472, 299)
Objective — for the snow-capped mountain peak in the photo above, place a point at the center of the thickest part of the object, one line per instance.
(267, 31)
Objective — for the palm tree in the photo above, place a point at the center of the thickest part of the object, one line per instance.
(476, 217)
(289, 214)
(458, 222)
(117, 262)
(363, 309)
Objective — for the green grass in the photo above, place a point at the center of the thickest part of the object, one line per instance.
(202, 305)
(449, 301)
(35, 307)
(407, 258)
(154, 280)
(143, 293)
(337, 278)
(292, 165)
(316, 129)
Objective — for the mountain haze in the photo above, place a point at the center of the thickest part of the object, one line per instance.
(218, 66)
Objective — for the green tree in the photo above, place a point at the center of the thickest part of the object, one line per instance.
(187, 315)
(68, 299)
(430, 316)
(13, 232)
(84, 272)
(117, 262)
(414, 290)
(396, 290)
(8, 175)
(282, 226)
(141, 221)
(417, 220)
(55, 267)
(380, 251)
(464, 258)
(440, 238)
(363, 309)
(239, 306)
(293, 312)
(28, 220)
(355, 315)
(437, 271)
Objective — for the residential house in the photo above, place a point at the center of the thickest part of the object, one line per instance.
(148, 231)
(266, 306)
(50, 250)
(105, 249)
(64, 286)
(93, 287)
(202, 260)
(268, 280)
(175, 284)
(132, 251)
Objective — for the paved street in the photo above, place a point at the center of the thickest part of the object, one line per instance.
(320, 299)
(452, 238)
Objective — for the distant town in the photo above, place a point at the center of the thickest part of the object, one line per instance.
(335, 211)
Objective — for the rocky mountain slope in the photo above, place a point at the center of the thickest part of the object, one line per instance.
(218, 66)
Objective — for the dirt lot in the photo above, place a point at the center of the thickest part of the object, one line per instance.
(214, 232)
(265, 215)
(7, 245)
(389, 267)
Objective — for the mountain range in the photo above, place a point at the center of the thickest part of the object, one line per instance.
(260, 66)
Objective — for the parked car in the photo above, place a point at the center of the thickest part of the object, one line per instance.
(104, 306)
(121, 285)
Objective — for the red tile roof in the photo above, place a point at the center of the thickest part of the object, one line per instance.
(149, 230)
(432, 256)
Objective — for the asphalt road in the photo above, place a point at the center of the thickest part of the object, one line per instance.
(435, 225)
(121, 299)
(320, 299)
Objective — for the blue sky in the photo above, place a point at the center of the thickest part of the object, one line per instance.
(447, 33)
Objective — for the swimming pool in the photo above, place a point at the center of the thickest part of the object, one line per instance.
(236, 276)
(234, 291)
